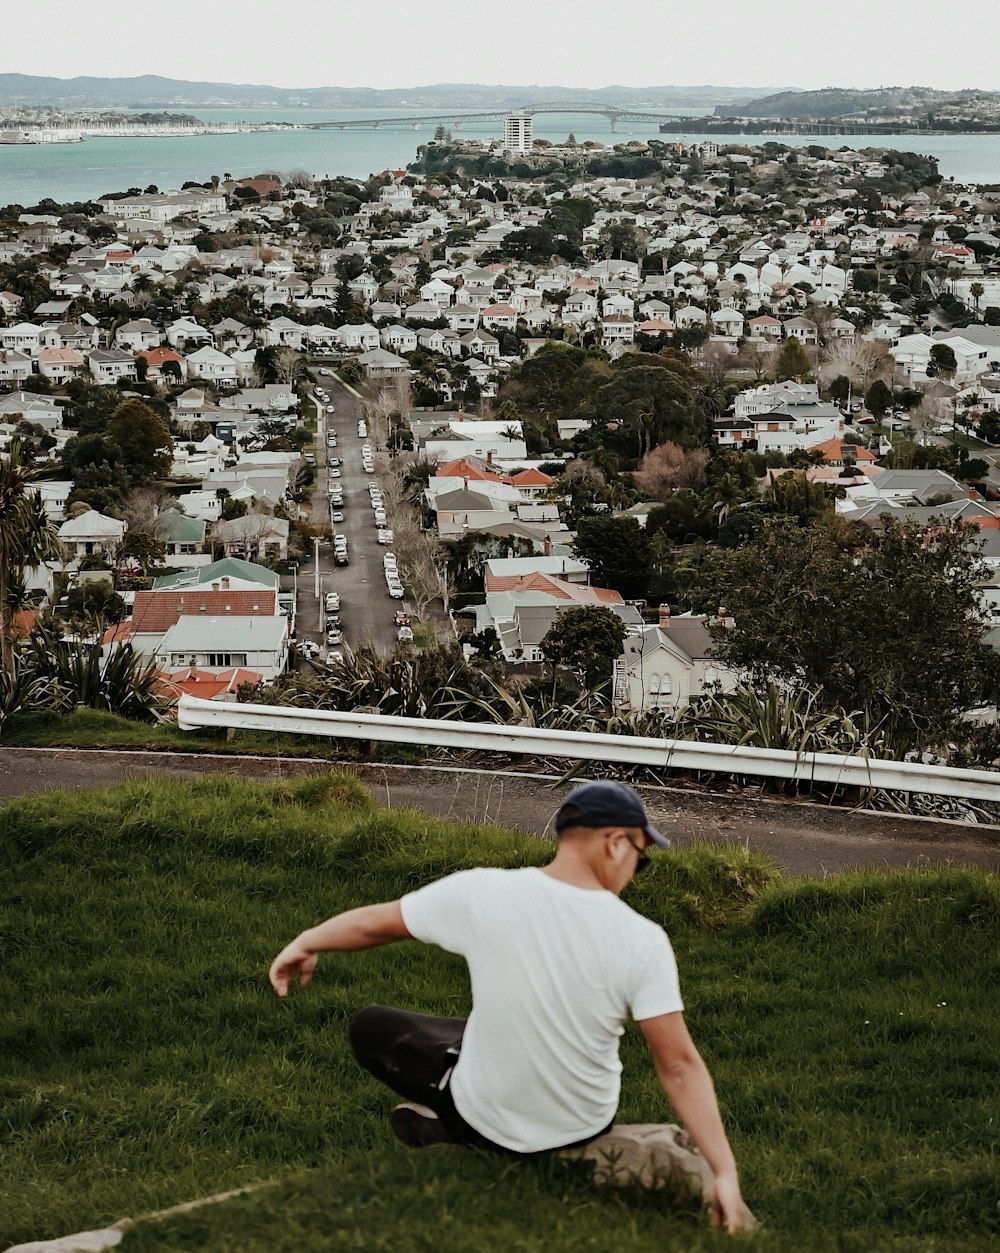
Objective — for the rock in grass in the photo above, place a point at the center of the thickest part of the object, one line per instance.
(647, 1155)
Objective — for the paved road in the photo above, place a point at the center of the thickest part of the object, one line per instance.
(366, 609)
(803, 839)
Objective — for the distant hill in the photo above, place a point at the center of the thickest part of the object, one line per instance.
(150, 90)
(845, 102)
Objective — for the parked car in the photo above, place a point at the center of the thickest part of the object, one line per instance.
(385, 535)
(380, 517)
(335, 461)
(308, 648)
(362, 430)
(405, 635)
(341, 558)
(332, 602)
(334, 473)
(396, 591)
(400, 618)
(333, 636)
(330, 409)
(337, 517)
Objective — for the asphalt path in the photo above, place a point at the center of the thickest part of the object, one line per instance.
(803, 839)
(366, 610)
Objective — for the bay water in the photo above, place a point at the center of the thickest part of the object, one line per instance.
(105, 164)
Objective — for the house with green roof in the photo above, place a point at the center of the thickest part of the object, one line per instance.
(183, 536)
(239, 573)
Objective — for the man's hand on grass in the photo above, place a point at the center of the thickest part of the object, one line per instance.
(294, 959)
(727, 1207)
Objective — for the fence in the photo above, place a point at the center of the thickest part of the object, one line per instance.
(685, 755)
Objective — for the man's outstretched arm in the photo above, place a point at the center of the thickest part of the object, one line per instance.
(688, 1085)
(367, 927)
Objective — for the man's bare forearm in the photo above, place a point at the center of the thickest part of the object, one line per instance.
(689, 1087)
(366, 927)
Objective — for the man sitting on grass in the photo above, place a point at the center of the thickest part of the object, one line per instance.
(557, 964)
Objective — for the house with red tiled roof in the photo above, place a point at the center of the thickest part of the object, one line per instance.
(60, 364)
(154, 613)
(502, 317)
(471, 469)
(840, 452)
(521, 608)
(157, 358)
(531, 483)
(205, 684)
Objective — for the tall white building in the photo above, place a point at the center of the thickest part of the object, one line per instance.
(517, 132)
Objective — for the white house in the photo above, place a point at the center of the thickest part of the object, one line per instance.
(91, 532)
(667, 666)
(209, 363)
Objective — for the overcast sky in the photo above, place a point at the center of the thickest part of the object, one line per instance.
(571, 43)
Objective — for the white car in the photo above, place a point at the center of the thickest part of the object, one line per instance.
(385, 536)
(330, 409)
(308, 648)
(337, 517)
(332, 602)
(333, 636)
(362, 430)
(325, 373)
(334, 473)
(405, 635)
(396, 591)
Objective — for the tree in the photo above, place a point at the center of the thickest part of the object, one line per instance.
(989, 428)
(878, 399)
(587, 638)
(96, 603)
(792, 362)
(977, 291)
(27, 537)
(144, 439)
(651, 405)
(668, 467)
(889, 622)
(139, 548)
(617, 550)
(942, 361)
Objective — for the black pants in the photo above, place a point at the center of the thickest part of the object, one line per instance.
(413, 1054)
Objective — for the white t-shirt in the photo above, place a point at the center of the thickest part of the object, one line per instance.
(555, 972)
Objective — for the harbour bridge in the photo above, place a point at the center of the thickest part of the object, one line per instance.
(614, 113)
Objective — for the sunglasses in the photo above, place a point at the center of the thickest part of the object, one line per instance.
(643, 861)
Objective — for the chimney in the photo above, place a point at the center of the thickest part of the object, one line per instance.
(489, 456)
(547, 547)
(215, 587)
(664, 615)
(225, 583)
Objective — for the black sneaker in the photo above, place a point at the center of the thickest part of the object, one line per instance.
(418, 1127)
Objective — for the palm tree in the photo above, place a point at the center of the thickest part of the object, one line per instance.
(977, 291)
(26, 538)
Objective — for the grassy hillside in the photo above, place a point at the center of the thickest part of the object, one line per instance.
(851, 1026)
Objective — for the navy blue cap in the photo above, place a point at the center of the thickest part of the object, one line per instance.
(607, 804)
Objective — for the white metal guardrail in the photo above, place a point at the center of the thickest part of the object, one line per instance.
(773, 763)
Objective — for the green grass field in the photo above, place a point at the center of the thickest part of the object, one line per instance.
(851, 1026)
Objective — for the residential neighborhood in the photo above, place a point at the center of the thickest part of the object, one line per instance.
(576, 372)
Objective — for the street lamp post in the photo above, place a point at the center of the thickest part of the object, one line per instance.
(316, 563)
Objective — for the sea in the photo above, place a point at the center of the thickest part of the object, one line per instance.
(103, 165)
